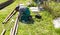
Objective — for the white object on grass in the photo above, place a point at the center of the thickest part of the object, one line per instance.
(22, 6)
(56, 23)
(34, 9)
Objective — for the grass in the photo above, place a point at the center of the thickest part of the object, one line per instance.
(4, 12)
(42, 26)
(1, 1)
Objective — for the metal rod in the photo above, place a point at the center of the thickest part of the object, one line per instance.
(9, 16)
(11, 31)
(15, 26)
(3, 32)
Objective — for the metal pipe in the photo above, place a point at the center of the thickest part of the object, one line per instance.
(3, 32)
(15, 26)
(9, 16)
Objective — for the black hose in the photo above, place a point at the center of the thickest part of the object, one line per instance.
(3, 5)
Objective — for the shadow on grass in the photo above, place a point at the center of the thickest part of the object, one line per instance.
(28, 22)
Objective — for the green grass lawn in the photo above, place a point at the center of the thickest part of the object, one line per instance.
(1, 1)
(43, 26)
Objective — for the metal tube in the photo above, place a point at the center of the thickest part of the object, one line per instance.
(9, 16)
(15, 26)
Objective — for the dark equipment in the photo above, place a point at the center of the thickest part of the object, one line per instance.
(38, 16)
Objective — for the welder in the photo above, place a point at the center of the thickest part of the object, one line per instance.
(24, 13)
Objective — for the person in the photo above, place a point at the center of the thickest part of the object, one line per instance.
(24, 13)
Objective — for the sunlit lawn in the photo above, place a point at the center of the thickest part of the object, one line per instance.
(1, 1)
(43, 26)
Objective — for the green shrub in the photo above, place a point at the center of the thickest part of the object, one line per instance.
(54, 9)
